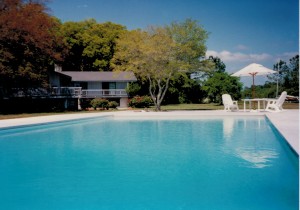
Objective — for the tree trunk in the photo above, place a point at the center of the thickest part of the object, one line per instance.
(162, 89)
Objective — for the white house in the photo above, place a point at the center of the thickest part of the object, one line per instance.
(83, 84)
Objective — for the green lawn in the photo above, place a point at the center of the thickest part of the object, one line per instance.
(216, 106)
(192, 107)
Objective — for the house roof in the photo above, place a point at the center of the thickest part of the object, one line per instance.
(95, 76)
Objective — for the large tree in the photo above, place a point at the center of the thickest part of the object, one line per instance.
(282, 69)
(90, 45)
(160, 53)
(287, 78)
(220, 83)
(150, 55)
(219, 64)
(291, 79)
(28, 43)
(213, 65)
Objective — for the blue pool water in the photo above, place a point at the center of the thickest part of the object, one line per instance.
(226, 163)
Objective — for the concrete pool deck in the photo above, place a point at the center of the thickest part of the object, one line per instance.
(286, 122)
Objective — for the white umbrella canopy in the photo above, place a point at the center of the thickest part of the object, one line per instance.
(253, 70)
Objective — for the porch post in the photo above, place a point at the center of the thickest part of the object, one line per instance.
(124, 102)
(79, 104)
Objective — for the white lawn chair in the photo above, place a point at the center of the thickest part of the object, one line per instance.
(275, 105)
(229, 104)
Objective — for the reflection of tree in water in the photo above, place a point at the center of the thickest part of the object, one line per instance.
(257, 158)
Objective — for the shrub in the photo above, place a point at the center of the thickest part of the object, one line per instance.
(99, 103)
(113, 104)
(141, 102)
(85, 103)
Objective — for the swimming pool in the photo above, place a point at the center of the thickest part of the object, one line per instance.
(108, 163)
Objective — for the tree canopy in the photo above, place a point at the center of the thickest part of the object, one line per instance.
(291, 78)
(90, 45)
(190, 39)
(221, 83)
(160, 53)
(28, 43)
(150, 55)
(287, 78)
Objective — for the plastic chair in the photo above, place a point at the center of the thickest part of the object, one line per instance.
(275, 105)
(229, 104)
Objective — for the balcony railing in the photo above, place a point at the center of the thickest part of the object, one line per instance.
(66, 91)
(78, 92)
(103, 93)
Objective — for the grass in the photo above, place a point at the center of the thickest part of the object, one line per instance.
(291, 106)
(192, 107)
(164, 108)
(215, 106)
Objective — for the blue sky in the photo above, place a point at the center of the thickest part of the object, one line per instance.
(241, 31)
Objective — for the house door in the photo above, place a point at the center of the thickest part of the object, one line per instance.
(105, 85)
(108, 87)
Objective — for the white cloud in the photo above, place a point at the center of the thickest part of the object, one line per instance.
(286, 56)
(241, 47)
(228, 56)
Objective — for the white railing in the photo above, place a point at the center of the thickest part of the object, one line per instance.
(96, 93)
(88, 93)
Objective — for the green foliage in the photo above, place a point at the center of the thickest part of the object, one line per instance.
(150, 55)
(221, 83)
(219, 64)
(99, 103)
(140, 102)
(268, 90)
(85, 103)
(190, 40)
(183, 89)
(159, 54)
(211, 66)
(113, 104)
(91, 45)
(288, 80)
(291, 78)
(133, 89)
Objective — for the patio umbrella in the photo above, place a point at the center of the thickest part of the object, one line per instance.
(253, 70)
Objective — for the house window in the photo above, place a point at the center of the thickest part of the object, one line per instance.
(112, 85)
(108, 85)
(76, 84)
(83, 85)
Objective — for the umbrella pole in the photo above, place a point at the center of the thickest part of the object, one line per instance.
(253, 91)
